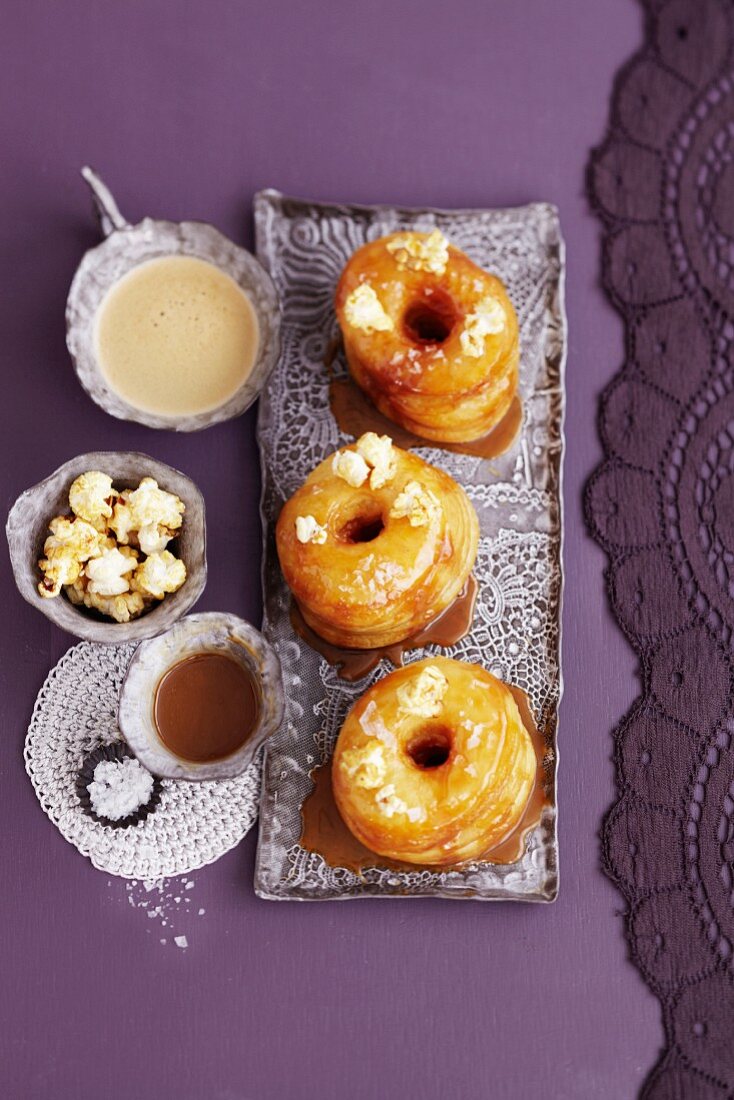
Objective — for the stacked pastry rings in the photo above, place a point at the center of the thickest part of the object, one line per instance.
(429, 336)
(374, 552)
(433, 764)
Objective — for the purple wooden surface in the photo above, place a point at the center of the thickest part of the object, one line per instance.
(187, 108)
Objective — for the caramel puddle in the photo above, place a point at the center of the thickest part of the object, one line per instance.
(351, 664)
(324, 832)
(355, 414)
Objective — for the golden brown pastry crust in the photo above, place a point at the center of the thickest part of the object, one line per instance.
(432, 387)
(450, 812)
(364, 594)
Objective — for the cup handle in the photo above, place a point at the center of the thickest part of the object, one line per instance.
(108, 214)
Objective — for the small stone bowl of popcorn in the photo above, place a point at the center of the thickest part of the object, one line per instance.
(111, 547)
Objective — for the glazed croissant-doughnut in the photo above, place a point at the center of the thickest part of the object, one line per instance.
(429, 336)
(375, 544)
(433, 764)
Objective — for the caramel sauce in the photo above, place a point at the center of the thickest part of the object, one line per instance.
(355, 414)
(325, 833)
(448, 628)
(206, 706)
(511, 848)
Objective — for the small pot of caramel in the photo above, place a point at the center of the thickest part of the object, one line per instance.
(198, 702)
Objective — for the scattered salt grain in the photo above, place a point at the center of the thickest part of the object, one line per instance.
(180, 941)
(167, 905)
(119, 788)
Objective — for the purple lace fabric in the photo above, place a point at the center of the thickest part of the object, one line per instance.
(662, 506)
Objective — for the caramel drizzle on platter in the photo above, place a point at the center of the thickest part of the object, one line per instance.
(449, 627)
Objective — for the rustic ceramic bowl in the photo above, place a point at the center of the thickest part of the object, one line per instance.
(27, 530)
(212, 632)
(125, 247)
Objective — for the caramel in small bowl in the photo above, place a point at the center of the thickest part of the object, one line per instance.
(199, 701)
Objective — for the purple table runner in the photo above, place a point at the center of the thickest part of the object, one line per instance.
(662, 507)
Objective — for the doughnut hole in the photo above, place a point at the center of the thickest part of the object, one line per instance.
(363, 526)
(430, 320)
(430, 747)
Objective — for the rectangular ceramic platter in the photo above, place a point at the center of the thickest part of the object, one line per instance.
(516, 632)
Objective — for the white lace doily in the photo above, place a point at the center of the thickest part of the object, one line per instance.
(76, 710)
(516, 632)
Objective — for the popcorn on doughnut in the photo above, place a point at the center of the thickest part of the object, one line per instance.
(429, 336)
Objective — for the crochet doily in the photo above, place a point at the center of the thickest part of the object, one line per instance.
(76, 709)
(517, 497)
(662, 506)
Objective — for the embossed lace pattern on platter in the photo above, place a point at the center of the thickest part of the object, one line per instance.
(517, 497)
(75, 712)
(662, 506)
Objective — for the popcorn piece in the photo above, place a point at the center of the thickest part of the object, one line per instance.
(72, 542)
(308, 530)
(150, 504)
(487, 319)
(420, 253)
(121, 608)
(60, 568)
(417, 504)
(350, 467)
(363, 310)
(422, 696)
(146, 507)
(89, 498)
(122, 521)
(377, 451)
(373, 725)
(158, 574)
(391, 804)
(108, 573)
(153, 538)
(366, 767)
(74, 535)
